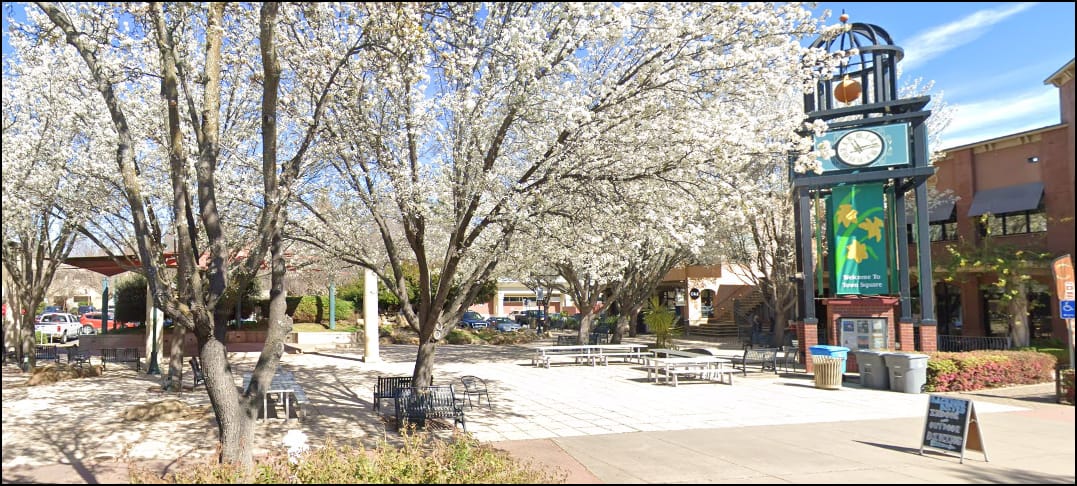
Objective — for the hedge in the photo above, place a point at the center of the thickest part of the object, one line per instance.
(315, 308)
(976, 370)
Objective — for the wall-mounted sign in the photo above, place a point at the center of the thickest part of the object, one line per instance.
(856, 148)
(694, 293)
(1062, 267)
(951, 426)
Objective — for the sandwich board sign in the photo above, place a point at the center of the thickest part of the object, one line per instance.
(951, 426)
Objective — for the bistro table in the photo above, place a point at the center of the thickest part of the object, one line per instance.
(284, 384)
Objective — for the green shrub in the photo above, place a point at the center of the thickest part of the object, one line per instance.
(976, 370)
(315, 308)
(1067, 385)
(489, 335)
(130, 298)
(461, 336)
(1061, 355)
(423, 459)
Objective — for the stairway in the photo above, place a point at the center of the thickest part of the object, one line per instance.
(723, 324)
(715, 328)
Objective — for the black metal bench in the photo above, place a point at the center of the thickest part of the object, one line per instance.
(568, 340)
(121, 355)
(47, 352)
(387, 386)
(77, 357)
(764, 358)
(599, 338)
(196, 370)
(416, 405)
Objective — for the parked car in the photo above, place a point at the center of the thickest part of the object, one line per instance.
(473, 319)
(52, 309)
(503, 324)
(86, 308)
(92, 321)
(531, 318)
(59, 326)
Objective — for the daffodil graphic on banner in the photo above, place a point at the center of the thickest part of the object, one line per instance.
(858, 226)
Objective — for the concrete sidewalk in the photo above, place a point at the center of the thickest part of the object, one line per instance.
(1032, 446)
(597, 424)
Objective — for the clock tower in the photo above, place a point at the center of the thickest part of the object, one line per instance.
(853, 254)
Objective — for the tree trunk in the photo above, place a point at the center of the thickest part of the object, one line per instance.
(1019, 331)
(234, 420)
(584, 333)
(174, 381)
(28, 358)
(424, 362)
(622, 327)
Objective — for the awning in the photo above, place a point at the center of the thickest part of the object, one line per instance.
(943, 211)
(1012, 199)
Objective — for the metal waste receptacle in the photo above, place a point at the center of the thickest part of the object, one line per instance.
(908, 371)
(827, 371)
(832, 351)
(872, 366)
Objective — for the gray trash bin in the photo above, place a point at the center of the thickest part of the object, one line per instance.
(908, 371)
(872, 366)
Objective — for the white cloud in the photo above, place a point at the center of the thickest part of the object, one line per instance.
(932, 43)
(996, 117)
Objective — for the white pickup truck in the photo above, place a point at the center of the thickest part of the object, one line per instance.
(61, 326)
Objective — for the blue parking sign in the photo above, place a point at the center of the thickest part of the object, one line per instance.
(1066, 309)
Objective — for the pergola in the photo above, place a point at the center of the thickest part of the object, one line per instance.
(110, 266)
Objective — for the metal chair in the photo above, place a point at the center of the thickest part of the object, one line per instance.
(790, 357)
(196, 369)
(474, 385)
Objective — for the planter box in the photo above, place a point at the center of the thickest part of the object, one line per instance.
(327, 339)
(94, 343)
(246, 336)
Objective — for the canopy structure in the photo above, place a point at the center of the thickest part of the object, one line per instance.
(107, 266)
(1005, 200)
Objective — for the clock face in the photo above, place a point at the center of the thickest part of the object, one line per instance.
(860, 147)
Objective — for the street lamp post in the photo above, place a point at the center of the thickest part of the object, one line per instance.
(104, 306)
(153, 368)
(332, 304)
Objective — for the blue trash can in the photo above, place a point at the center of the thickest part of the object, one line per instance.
(832, 351)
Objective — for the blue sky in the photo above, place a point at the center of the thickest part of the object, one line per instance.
(988, 59)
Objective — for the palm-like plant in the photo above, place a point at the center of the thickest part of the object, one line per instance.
(660, 320)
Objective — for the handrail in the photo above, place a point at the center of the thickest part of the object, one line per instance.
(955, 343)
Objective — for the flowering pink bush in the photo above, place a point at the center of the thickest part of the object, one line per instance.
(976, 370)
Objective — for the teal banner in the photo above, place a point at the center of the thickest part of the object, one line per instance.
(858, 225)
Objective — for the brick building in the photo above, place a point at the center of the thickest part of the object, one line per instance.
(1024, 183)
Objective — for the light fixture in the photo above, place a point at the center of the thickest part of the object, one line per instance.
(1034, 159)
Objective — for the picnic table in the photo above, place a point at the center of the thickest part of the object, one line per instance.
(592, 353)
(284, 385)
(672, 363)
